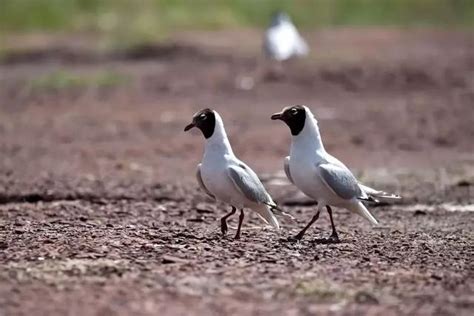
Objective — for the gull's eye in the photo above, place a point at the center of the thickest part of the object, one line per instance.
(293, 111)
(202, 116)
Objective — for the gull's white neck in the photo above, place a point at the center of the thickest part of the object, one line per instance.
(309, 139)
(218, 142)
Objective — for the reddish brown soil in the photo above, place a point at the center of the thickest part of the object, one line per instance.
(100, 213)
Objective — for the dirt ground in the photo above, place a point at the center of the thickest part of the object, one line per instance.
(100, 213)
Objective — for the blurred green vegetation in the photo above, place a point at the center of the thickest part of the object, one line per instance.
(62, 80)
(148, 19)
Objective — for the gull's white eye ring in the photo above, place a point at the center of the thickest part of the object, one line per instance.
(293, 111)
(203, 116)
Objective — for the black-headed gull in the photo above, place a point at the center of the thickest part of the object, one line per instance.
(282, 40)
(226, 178)
(319, 175)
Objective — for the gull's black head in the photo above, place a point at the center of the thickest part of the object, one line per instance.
(294, 117)
(205, 120)
(279, 17)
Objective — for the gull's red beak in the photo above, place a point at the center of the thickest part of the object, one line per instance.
(189, 126)
(277, 116)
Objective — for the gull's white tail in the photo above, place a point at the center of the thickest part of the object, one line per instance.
(379, 195)
(301, 48)
(360, 209)
(267, 215)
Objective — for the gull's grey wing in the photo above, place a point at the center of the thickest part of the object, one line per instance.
(286, 166)
(247, 182)
(201, 184)
(340, 180)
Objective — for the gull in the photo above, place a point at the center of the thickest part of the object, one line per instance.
(282, 40)
(321, 176)
(226, 178)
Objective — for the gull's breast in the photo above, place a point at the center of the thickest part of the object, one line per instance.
(216, 179)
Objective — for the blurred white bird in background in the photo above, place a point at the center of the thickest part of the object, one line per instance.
(282, 40)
